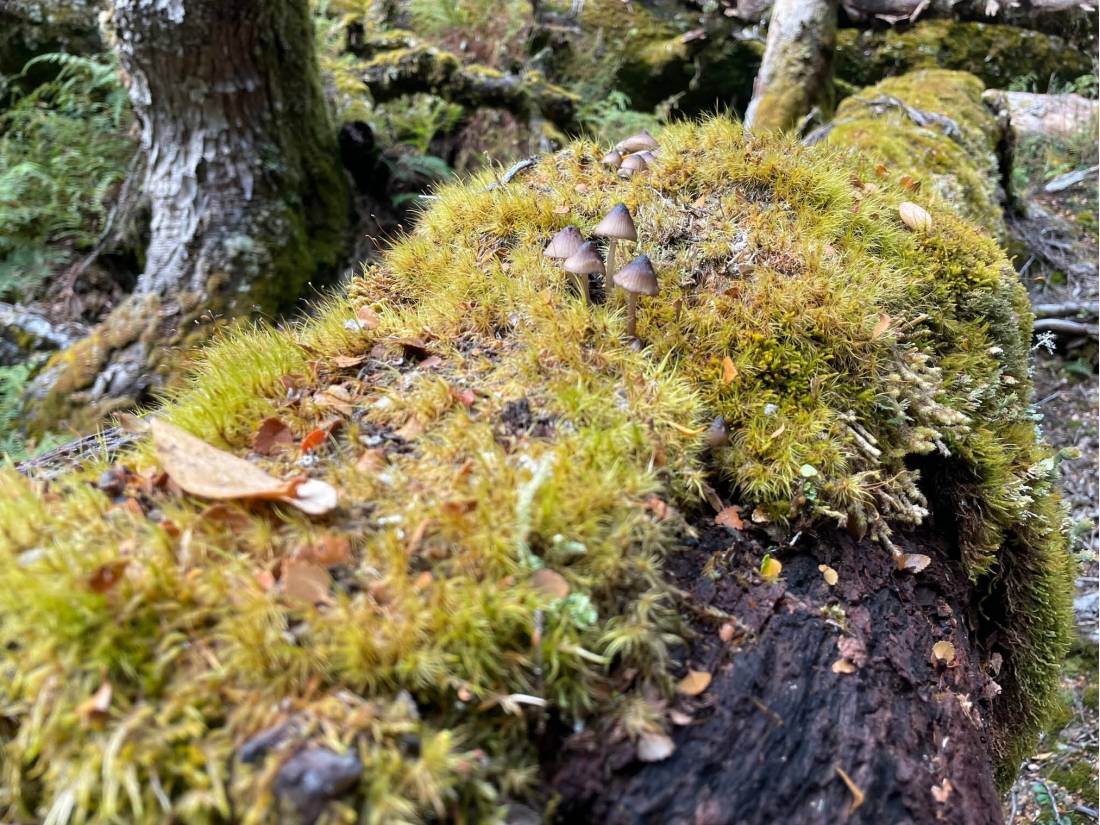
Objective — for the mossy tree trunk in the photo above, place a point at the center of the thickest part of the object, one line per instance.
(796, 76)
(246, 196)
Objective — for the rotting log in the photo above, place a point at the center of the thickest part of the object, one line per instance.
(512, 558)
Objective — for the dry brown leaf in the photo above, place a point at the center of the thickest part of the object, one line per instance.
(96, 705)
(550, 583)
(305, 581)
(729, 370)
(843, 666)
(413, 544)
(829, 574)
(328, 551)
(913, 562)
(915, 217)
(909, 182)
(882, 326)
(730, 517)
(367, 318)
(458, 506)
(272, 436)
(759, 516)
(943, 651)
(942, 792)
(371, 461)
(881, 170)
(694, 683)
(464, 396)
(422, 581)
(658, 506)
(106, 576)
(857, 794)
(346, 361)
(412, 429)
(654, 747)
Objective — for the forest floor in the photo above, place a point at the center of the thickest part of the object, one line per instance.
(1058, 785)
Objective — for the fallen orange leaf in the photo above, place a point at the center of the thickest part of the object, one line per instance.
(729, 370)
(694, 683)
(305, 581)
(730, 517)
(272, 436)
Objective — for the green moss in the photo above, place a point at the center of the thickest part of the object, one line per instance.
(1078, 778)
(834, 314)
(997, 54)
(960, 167)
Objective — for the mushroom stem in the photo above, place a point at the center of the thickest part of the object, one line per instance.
(611, 242)
(631, 315)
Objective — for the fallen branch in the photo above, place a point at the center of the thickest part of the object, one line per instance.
(1067, 309)
(1066, 327)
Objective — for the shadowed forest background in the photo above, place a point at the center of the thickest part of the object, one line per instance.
(314, 233)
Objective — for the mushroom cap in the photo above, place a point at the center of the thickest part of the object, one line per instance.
(585, 260)
(637, 142)
(634, 163)
(637, 277)
(647, 156)
(564, 243)
(612, 159)
(617, 224)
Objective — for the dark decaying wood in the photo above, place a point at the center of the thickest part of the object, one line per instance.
(772, 733)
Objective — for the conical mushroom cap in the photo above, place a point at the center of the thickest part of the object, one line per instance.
(637, 277)
(617, 224)
(636, 143)
(564, 244)
(585, 260)
(612, 159)
(634, 163)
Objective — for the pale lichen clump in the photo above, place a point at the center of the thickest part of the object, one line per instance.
(495, 424)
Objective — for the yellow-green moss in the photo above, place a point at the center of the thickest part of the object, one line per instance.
(997, 54)
(959, 166)
(836, 317)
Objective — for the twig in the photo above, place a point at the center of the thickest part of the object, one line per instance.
(1066, 309)
(1066, 327)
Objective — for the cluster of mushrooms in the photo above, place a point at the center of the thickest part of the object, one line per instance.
(581, 258)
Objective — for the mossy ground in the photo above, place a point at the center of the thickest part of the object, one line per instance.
(837, 320)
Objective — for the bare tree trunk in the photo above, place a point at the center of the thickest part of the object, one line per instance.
(797, 73)
(247, 198)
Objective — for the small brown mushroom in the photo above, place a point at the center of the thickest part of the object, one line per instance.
(583, 263)
(636, 278)
(647, 156)
(617, 225)
(564, 244)
(612, 159)
(630, 165)
(637, 142)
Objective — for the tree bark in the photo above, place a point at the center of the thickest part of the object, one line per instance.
(246, 195)
(769, 739)
(795, 77)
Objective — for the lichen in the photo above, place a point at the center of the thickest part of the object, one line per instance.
(995, 53)
(854, 344)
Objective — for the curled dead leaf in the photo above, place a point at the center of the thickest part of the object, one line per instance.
(98, 704)
(654, 747)
(367, 318)
(943, 651)
(272, 436)
(913, 562)
(463, 395)
(348, 361)
(829, 574)
(914, 216)
(881, 170)
(305, 581)
(729, 370)
(909, 183)
(882, 326)
(730, 517)
(694, 683)
(550, 583)
(843, 666)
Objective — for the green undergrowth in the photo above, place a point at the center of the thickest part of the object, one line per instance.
(493, 425)
(956, 160)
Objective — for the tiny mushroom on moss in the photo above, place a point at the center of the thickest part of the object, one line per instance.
(637, 142)
(617, 225)
(564, 244)
(612, 159)
(583, 263)
(630, 165)
(636, 278)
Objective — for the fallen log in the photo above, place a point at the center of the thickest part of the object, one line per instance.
(521, 551)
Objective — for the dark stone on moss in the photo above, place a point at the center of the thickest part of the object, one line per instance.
(313, 777)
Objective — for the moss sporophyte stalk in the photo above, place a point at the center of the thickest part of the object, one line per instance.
(500, 426)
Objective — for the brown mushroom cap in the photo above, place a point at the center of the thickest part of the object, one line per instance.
(637, 142)
(564, 244)
(585, 260)
(634, 163)
(617, 224)
(647, 156)
(612, 159)
(637, 277)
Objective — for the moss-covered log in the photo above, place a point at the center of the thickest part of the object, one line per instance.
(504, 577)
(997, 54)
(796, 74)
(246, 195)
(414, 67)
